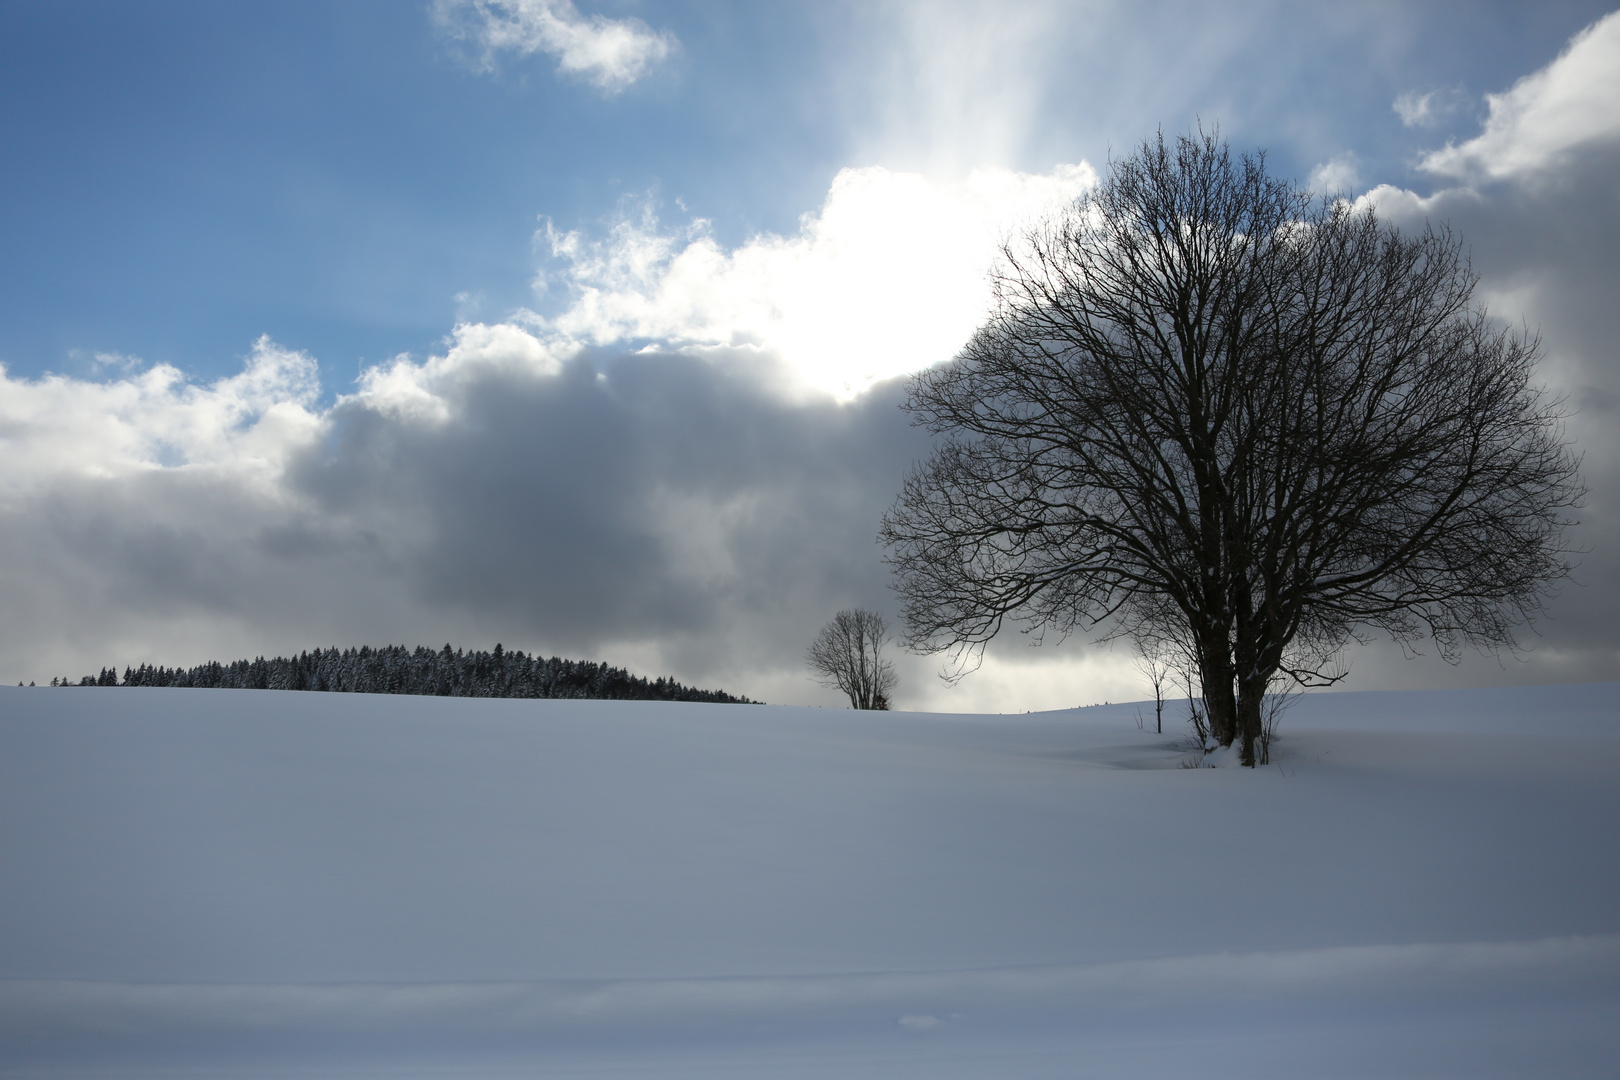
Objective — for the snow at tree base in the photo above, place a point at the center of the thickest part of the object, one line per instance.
(235, 883)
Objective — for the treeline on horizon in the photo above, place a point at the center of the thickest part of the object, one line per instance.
(393, 669)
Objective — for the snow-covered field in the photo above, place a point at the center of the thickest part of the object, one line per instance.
(247, 883)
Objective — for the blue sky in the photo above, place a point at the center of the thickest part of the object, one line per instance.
(324, 289)
(182, 177)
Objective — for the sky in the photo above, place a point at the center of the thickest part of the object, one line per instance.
(583, 327)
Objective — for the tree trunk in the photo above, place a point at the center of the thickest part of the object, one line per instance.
(1251, 709)
(1249, 719)
(1215, 671)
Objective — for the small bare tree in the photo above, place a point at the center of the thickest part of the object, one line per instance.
(1158, 672)
(848, 654)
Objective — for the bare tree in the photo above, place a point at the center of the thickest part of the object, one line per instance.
(1158, 671)
(848, 654)
(1212, 409)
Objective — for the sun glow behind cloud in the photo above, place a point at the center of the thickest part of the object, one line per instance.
(888, 277)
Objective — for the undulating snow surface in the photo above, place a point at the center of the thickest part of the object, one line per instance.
(258, 883)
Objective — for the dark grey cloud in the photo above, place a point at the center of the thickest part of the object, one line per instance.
(639, 497)
(1545, 248)
(650, 508)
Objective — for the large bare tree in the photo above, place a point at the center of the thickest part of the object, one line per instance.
(1213, 411)
(848, 654)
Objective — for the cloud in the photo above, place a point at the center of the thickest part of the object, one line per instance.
(889, 276)
(653, 509)
(1336, 175)
(1428, 109)
(1546, 117)
(1533, 198)
(681, 468)
(58, 429)
(406, 389)
(610, 54)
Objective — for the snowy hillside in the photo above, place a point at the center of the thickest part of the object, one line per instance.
(274, 883)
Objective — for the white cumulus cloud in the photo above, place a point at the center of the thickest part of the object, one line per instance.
(609, 53)
(406, 389)
(1541, 119)
(245, 425)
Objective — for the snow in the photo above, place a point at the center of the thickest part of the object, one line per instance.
(259, 883)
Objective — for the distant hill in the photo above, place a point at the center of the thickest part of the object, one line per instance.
(393, 669)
